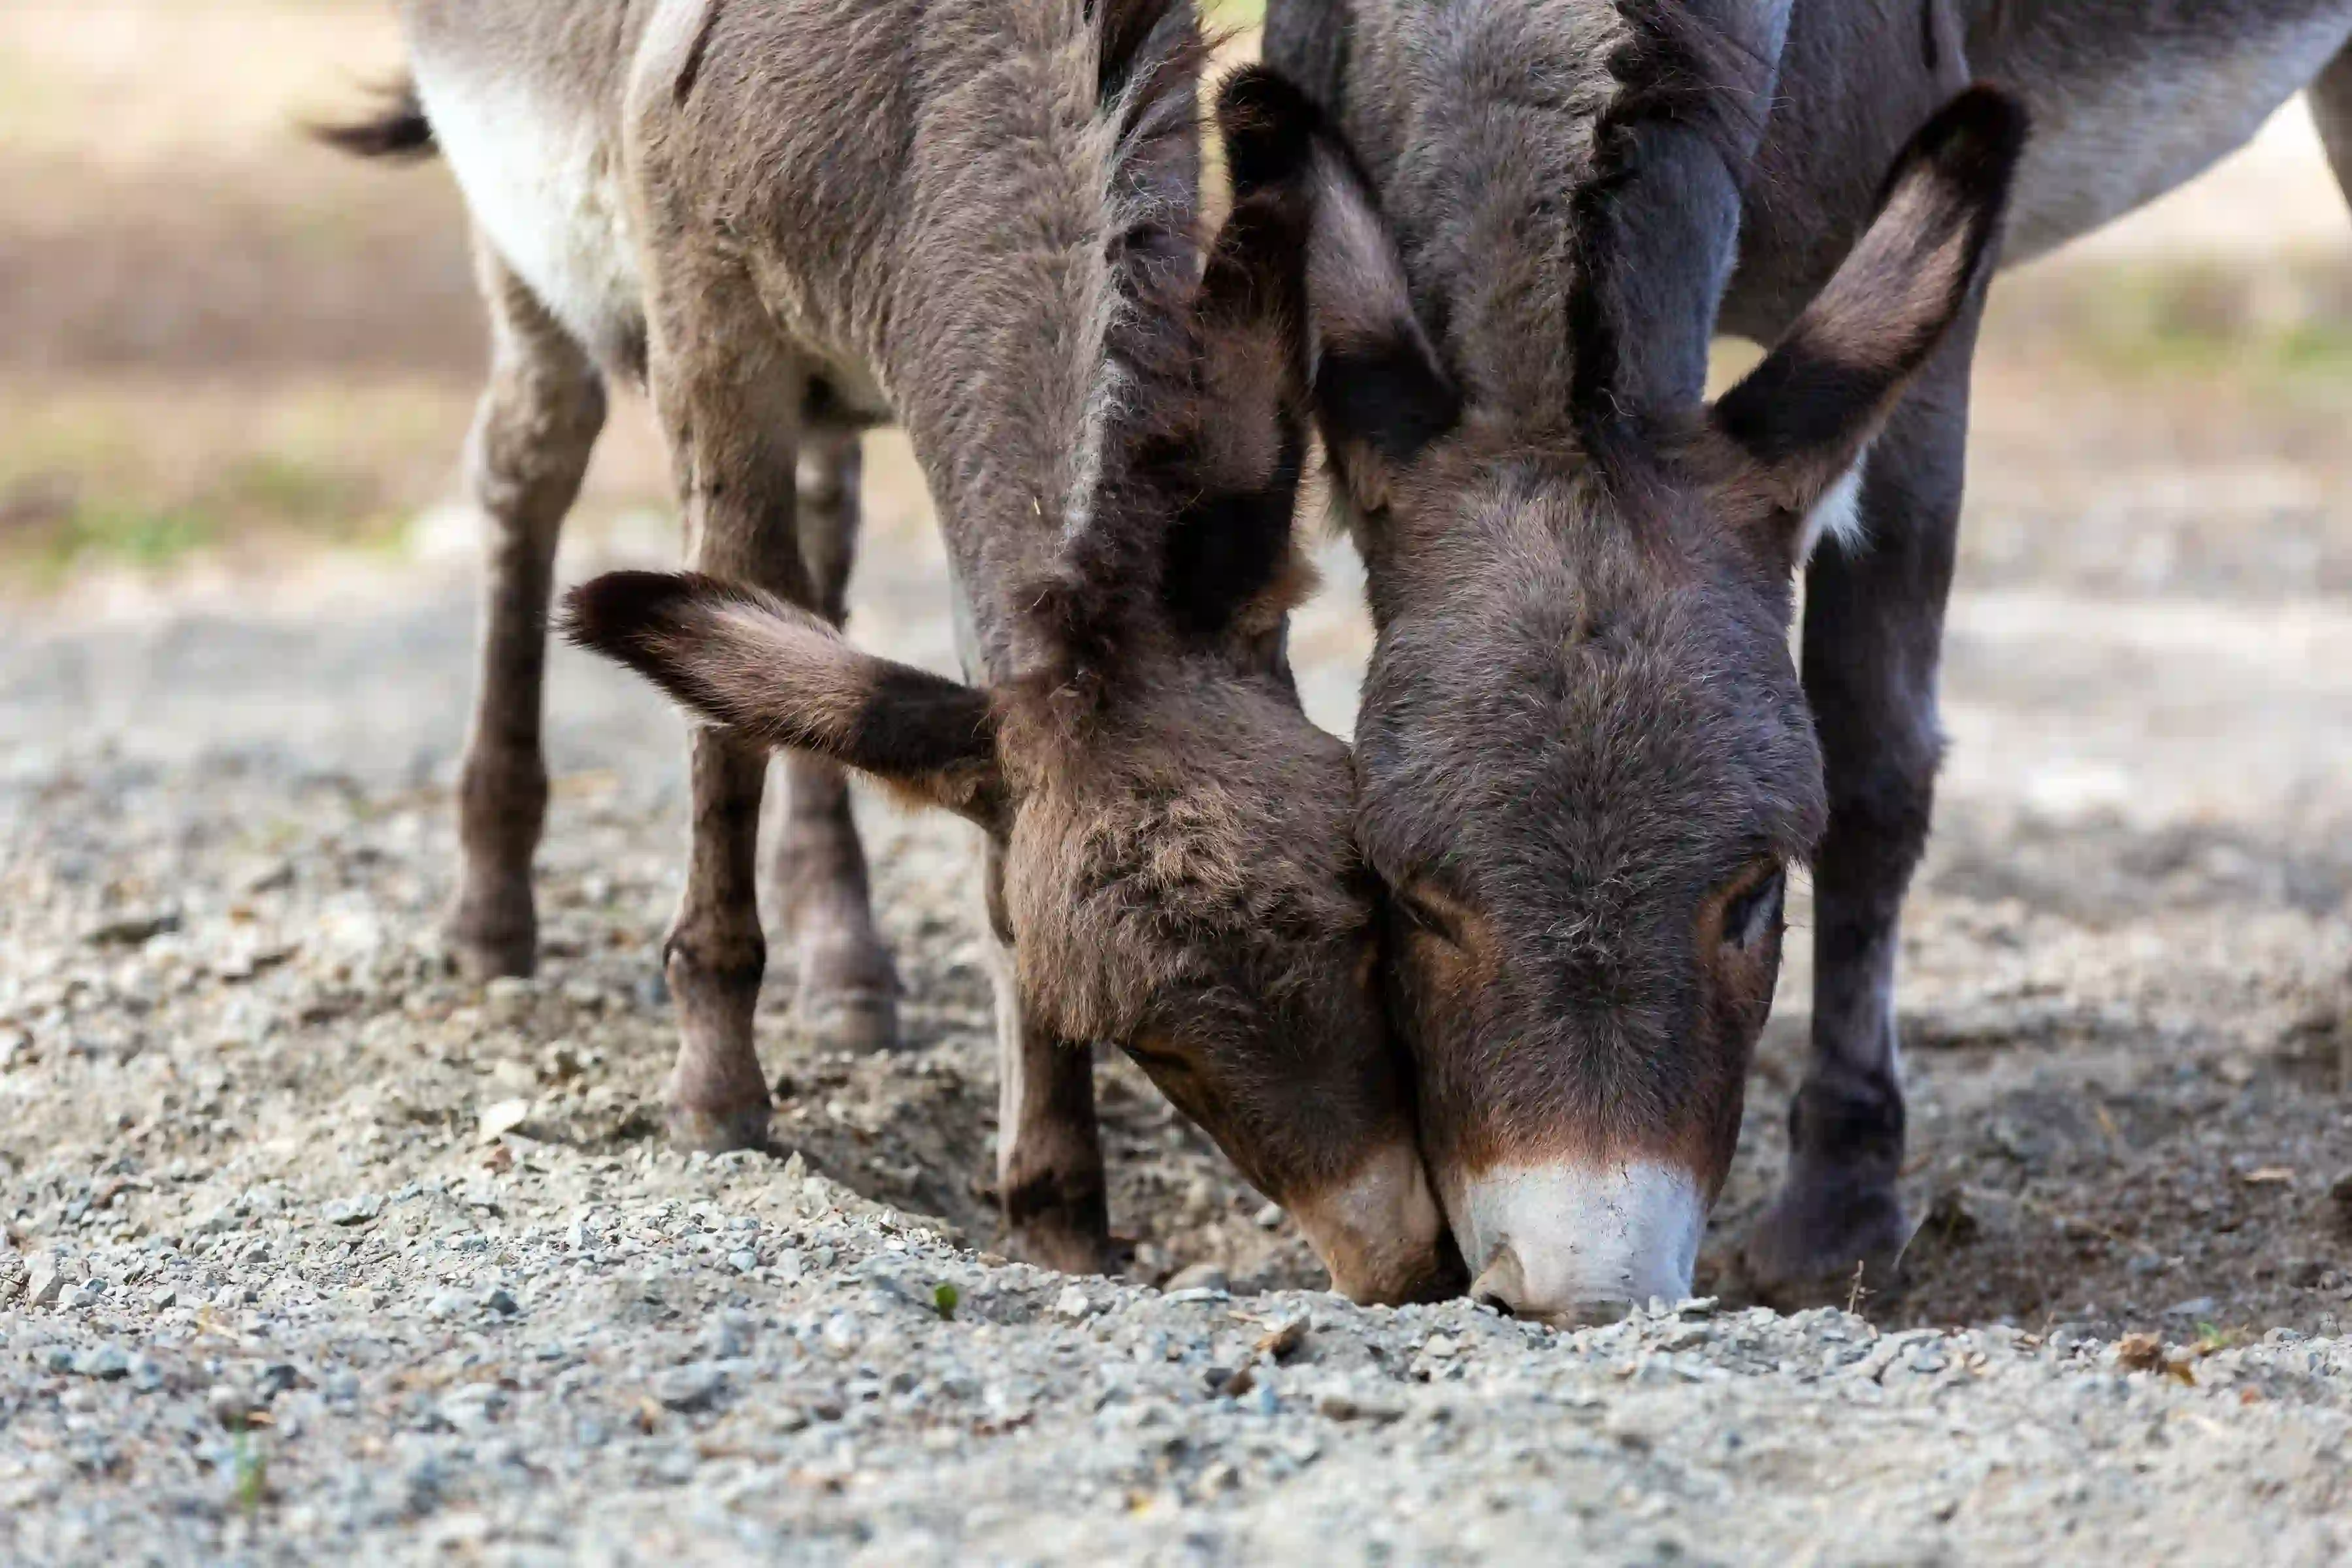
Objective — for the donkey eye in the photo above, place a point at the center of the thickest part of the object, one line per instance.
(1425, 916)
(1754, 914)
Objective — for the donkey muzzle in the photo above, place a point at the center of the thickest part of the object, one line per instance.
(1571, 1243)
(1380, 1233)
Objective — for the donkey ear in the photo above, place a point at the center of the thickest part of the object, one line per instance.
(774, 675)
(1380, 394)
(1801, 421)
(1231, 564)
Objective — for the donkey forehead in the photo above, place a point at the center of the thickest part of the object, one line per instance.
(1575, 746)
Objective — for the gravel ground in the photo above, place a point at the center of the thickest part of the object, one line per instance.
(311, 1249)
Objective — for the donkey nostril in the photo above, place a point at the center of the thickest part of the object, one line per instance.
(1502, 1284)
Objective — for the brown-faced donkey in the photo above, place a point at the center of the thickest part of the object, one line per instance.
(797, 218)
(1588, 758)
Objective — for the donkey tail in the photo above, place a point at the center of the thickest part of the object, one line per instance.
(398, 129)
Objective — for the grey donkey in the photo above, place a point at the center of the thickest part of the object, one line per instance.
(1587, 758)
(796, 219)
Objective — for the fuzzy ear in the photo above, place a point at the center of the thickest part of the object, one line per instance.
(1796, 427)
(1232, 565)
(774, 675)
(1380, 392)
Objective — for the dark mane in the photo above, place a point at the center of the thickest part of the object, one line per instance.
(1689, 92)
(1108, 581)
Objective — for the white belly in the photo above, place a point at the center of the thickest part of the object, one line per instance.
(543, 180)
(2103, 147)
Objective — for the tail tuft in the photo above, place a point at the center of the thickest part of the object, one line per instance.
(398, 130)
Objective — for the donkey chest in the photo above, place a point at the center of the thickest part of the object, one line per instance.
(2146, 108)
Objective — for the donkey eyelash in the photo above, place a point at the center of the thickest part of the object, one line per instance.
(1748, 918)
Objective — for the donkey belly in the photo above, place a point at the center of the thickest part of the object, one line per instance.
(2127, 107)
(542, 174)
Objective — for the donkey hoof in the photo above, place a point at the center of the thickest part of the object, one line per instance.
(693, 1131)
(492, 945)
(861, 1022)
(1832, 1245)
(1065, 1248)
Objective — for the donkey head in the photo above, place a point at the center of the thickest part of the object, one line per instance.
(1178, 868)
(1585, 765)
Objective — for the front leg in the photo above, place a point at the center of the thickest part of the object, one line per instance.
(1049, 1163)
(1873, 632)
(729, 397)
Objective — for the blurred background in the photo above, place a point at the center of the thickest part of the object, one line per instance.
(236, 372)
(220, 346)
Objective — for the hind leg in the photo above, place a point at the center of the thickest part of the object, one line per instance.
(2330, 96)
(537, 423)
(848, 995)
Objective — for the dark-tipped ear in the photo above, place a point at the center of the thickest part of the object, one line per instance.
(1233, 566)
(1380, 392)
(775, 675)
(1796, 426)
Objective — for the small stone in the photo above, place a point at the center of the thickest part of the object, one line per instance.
(744, 1260)
(1438, 1346)
(842, 1334)
(2195, 1307)
(1341, 1406)
(43, 1286)
(1205, 1276)
(14, 1272)
(689, 1388)
(1282, 1339)
(503, 1117)
(230, 1297)
(166, 1296)
(444, 1306)
(362, 1209)
(501, 1301)
(132, 929)
(1072, 1304)
(1269, 1217)
(105, 1361)
(146, 1374)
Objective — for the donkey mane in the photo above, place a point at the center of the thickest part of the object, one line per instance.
(1155, 546)
(1677, 73)
(1533, 155)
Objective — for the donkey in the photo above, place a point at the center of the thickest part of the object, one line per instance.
(1587, 761)
(796, 219)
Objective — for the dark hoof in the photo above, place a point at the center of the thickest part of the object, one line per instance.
(492, 945)
(718, 1131)
(861, 1022)
(1826, 1244)
(1060, 1247)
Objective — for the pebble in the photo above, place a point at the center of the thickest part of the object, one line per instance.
(1072, 1303)
(1206, 1277)
(690, 1388)
(108, 1361)
(362, 1209)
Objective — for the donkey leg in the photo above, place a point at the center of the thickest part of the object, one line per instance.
(848, 995)
(731, 412)
(1049, 1163)
(537, 423)
(1874, 630)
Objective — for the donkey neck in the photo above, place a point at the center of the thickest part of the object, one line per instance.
(1025, 339)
